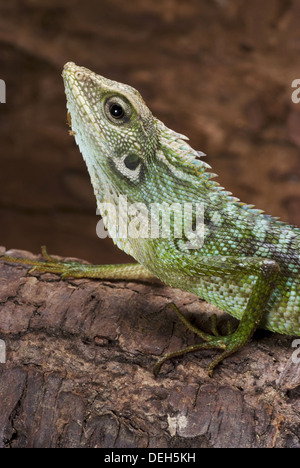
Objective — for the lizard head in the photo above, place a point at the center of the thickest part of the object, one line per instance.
(113, 127)
(124, 146)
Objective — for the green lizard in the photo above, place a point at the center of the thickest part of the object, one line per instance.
(247, 263)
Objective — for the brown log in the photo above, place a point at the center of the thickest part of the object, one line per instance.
(78, 370)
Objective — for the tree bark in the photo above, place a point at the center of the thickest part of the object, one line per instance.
(79, 360)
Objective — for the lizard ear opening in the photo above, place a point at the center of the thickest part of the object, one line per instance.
(130, 166)
(132, 161)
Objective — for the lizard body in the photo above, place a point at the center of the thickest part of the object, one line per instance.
(248, 263)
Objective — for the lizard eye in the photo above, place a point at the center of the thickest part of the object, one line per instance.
(117, 109)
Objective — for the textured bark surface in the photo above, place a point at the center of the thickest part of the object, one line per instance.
(79, 363)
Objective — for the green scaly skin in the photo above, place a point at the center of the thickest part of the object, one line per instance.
(248, 264)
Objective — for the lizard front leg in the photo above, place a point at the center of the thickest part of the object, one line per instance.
(73, 269)
(266, 272)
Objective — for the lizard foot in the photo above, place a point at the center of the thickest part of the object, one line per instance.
(228, 344)
(50, 265)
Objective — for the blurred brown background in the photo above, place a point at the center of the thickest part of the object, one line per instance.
(219, 71)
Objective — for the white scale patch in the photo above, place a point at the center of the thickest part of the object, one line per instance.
(129, 173)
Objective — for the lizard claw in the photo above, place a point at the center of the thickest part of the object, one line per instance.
(228, 344)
